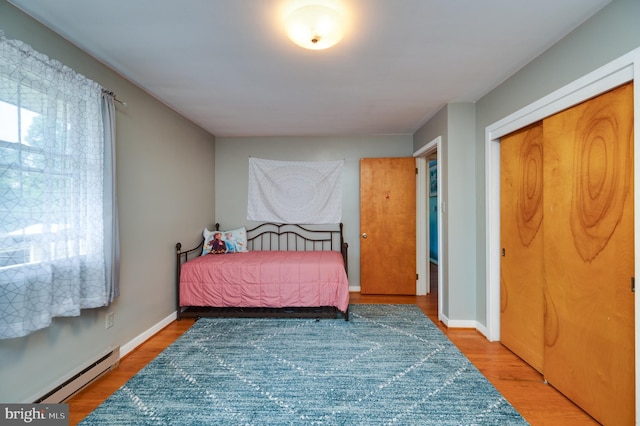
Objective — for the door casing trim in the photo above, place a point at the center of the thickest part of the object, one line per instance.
(422, 227)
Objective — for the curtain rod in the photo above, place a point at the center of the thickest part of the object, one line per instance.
(110, 93)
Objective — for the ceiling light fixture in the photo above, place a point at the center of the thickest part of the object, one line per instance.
(315, 26)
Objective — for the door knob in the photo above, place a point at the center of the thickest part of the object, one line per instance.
(364, 235)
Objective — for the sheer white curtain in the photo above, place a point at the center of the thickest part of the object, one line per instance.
(52, 230)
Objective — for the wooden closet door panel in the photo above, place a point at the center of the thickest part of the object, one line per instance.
(521, 266)
(589, 255)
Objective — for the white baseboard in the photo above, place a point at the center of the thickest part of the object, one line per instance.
(483, 330)
(146, 335)
(462, 324)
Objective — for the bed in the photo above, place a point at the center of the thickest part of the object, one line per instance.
(278, 270)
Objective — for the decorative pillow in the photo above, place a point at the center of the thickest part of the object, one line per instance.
(213, 242)
(220, 242)
(235, 240)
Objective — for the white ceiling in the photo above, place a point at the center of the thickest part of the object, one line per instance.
(228, 66)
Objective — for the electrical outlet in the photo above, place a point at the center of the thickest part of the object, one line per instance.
(109, 320)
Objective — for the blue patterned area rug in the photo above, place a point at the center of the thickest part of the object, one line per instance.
(388, 365)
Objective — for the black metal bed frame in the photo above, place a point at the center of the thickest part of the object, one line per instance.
(270, 237)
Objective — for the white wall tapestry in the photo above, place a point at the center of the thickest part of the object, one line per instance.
(305, 192)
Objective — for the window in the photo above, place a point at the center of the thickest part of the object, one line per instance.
(52, 156)
(33, 172)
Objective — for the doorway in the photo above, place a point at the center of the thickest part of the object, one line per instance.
(430, 274)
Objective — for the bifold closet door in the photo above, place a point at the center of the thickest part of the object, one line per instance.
(521, 239)
(589, 255)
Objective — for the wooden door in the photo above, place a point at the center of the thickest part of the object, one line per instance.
(521, 239)
(388, 226)
(589, 255)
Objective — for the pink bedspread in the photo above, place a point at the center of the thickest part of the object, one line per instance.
(270, 279)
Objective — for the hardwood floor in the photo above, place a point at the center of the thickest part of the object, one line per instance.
(522, 386)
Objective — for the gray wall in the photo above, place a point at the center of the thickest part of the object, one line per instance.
(165, 196)
(232, 168)
(438, 126)
(454, 123)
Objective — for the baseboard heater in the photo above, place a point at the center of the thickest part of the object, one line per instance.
(80, 380)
